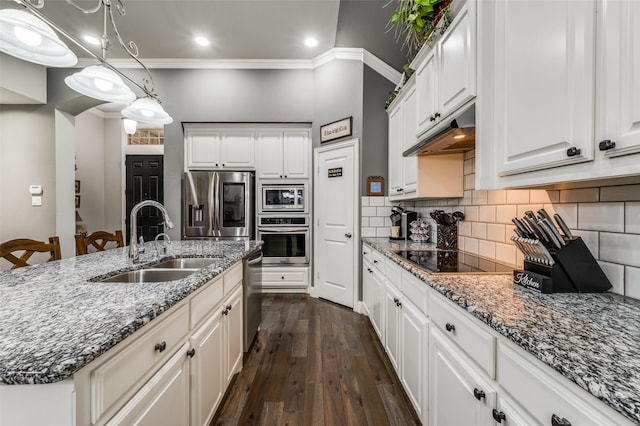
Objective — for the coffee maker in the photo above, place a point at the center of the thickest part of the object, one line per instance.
(401, 223)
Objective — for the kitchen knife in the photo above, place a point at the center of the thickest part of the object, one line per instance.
(520, 227)
(521, 246)
(556, 241)
(554, 232)
(527, 249)
(562, 224)
(536, 228)
(544, 252)
(529, 232)
(519, 233)
(534, 253)
(544, 214)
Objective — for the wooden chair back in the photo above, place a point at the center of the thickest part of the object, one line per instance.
(29, 247)
(98, 240)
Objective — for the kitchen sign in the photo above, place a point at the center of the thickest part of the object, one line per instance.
(335, 172)
(336, 130)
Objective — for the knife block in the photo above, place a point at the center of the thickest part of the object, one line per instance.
(575, 270)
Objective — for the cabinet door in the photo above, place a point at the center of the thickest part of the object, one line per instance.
(392, 324)
(543, 83)
(457, 393)
(233, 337)
(207, 381)
(395, 150)
(618, 83)
(377, 312)
(269, 155)
(409, 165)
(457, 62)
(427, 86)
(296, 155)
(164, 399)
(237, 149)
(414, 355)
(203, 149)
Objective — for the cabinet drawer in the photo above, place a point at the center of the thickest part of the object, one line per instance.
(393, 273)
(121, 373)
(285, 277)
(415, 290)
(206, 300)
(479, 344)
(378, 260)
(542, 396)
(232, 277)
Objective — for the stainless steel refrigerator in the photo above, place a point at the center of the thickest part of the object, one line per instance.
(218, 204)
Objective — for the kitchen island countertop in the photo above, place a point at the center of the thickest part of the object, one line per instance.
(593, 339)
(54, 320)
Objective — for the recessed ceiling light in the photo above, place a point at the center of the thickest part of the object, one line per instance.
(92, 40)
(311, 42)
(202, 41)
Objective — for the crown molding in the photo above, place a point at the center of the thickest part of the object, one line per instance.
(337, 53)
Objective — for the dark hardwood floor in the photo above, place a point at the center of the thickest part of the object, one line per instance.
(315, 363)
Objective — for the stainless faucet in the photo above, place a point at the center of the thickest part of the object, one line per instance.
(134, 250)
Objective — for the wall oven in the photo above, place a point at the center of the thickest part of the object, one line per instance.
(284, 198)
(286, 239)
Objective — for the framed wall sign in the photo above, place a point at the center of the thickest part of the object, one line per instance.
(336, 130)
(375, 186)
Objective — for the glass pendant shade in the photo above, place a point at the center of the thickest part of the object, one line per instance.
(99, 82)
(147, 110)
(27, 37)
(130, 126)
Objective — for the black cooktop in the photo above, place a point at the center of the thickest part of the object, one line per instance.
(453, 261)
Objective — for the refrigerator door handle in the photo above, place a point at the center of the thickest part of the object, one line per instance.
(215, 204)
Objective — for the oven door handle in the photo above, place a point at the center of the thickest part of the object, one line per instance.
(280, 230)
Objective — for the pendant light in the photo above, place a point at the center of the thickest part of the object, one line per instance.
(99, 82)
(147, 110)
(27, 37)
(129, 125)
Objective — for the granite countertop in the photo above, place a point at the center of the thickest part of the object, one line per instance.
(593, 339)
(54, 321)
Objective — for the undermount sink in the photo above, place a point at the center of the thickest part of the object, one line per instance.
(186, 263)
(150, 275)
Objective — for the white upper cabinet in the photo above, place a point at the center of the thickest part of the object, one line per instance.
(283, 154)
(618, 95)
(210, 148)
(446, 77)
(543, 84)
(409, 166)
(395, 150)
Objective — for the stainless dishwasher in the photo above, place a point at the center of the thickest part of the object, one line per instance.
(252, 288)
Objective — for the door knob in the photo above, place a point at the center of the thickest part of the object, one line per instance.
(348, 235)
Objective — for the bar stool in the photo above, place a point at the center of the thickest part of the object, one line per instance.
(29, 247)
(99, 240)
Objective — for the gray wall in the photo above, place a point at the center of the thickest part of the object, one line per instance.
(90, 166)
(374, 146)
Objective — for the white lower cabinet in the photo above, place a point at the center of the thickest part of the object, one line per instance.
(232, 332)
(285, 279)
(413, 356)
(392, 324)
(163, 400)
(459, 394)
(373, 289)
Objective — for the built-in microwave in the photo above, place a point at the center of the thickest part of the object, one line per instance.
(284, 198)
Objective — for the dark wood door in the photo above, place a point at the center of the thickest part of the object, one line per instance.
(145, 181)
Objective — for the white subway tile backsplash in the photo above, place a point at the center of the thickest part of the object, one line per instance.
(376, 201)
(496, 232)
(569, 213)
(364, 201)
(369, 232)
(470, 154)
(383, 211)
(632, 218)
(538, 196)
(620, 193)
(632, 282)
(364, 222)
(498, 196)
(464, 229)
(479, 230)
(471, 245)
(368, 211)
(504, 214)
(591, 240)
(377, 222)
(487, 214)
(479, 197)
(506, 253)
(469, 166)
(517, 196)
(467, 199)
(471, 213)
(601, 216)
(583, 195)
(620, 248)
(615, 273)
(383, 232)
(528, 207)
(487, 249)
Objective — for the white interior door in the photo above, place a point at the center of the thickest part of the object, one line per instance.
(336, 222)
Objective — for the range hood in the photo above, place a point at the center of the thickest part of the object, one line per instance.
(456, 134)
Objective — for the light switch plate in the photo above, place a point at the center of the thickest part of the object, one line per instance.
(36, 200)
